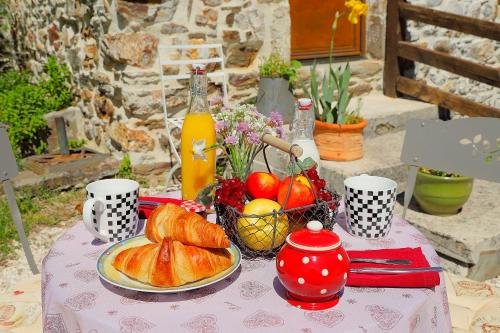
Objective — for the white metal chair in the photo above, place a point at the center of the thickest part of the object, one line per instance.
(164, 60)
(468, 146)
(8, 169)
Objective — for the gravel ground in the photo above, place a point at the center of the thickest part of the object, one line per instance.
(17, 270)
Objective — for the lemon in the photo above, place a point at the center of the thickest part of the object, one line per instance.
(257, 232)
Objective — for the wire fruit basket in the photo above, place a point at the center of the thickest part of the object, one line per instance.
(262, 235)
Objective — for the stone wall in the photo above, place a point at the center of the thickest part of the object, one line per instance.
(465, 46)
(111, 48)
(6, 41)
(375, 28)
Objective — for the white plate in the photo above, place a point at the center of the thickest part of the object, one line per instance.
(111, 275)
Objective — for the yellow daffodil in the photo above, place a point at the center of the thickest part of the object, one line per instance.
(356, 9)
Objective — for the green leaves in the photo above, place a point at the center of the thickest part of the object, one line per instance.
(313, 93)
(57, 87)
(207, 195)
(23, 104)
(275, 66)
(331, 104)
(305, 164)
(125, 168)
(76, 144)
(344, 96)
(438, 173)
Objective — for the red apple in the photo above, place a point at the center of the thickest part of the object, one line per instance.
(303, 180)
(262, 185)
(301, 193)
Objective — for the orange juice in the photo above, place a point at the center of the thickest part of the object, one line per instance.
(198, 166)
(198, 134)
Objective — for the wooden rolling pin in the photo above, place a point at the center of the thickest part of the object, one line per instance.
(295, 150)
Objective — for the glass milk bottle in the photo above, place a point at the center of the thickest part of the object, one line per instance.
(303, 127)
(198, 133)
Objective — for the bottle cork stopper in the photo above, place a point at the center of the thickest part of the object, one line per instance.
(304, 103)
(198, 68)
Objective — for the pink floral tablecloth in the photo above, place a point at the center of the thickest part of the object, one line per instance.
(75, 299)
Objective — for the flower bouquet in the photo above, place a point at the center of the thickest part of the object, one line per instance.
(239, 130)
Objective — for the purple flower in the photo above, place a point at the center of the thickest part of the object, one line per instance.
(253, 138)
(280, 132)
(242, 127)
(276, 119)
(215, 100)
(256, 112)
(220, 125)
(231, 140)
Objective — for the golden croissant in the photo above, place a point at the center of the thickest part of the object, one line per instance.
(188, 228)
(171, 263)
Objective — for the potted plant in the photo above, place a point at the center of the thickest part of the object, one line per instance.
(275, 86)
(338, 131)
(441, 193)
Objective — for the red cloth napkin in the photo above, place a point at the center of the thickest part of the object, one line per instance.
(406, 280)
(145, 210)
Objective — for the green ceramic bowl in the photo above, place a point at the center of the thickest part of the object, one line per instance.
(442, 195)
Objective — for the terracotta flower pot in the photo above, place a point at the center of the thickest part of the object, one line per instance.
(339, 142)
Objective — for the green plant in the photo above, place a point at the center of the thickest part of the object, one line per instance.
(330, 104)
(274, 66)
(125, 171)
(332, 101)
(439, 173)
(76, 144)
(57, 85)
(23, 104)
(22, 108)
(125, 168)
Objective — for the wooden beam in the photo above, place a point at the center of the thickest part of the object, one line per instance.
(429, 94)
(472, 70)
(392, 37)
(450, 21)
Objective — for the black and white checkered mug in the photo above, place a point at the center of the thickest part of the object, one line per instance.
(369, 203)
(111, 212)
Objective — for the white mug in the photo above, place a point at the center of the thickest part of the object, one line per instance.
(369, 203)
(111, 211)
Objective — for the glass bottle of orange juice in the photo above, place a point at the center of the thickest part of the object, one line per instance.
(198, 134)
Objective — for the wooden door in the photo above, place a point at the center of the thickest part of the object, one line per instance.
(311, 30)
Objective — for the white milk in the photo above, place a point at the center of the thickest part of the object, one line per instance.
(310, 150)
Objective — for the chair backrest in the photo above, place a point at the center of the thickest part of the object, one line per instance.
(164, 59)
(8, 165)
(467, 146)
(8, 169)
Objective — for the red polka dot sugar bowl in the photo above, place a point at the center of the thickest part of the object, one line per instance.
(313, 267)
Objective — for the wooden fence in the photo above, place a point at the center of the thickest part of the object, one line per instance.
(400, 54)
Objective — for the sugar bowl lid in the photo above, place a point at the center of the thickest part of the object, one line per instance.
(314, 238)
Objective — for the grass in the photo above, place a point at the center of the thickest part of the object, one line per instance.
(42, 207)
